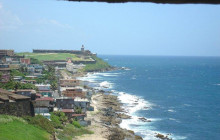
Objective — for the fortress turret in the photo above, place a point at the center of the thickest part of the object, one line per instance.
(82, 48)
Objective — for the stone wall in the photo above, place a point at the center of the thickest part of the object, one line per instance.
(19, 108)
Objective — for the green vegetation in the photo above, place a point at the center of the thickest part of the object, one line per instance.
(12, 85)
(36, 61)
(41, 122)
(17, 73)
(49, 56)
(76, 124)
(15, 128)
(70, 131)
(58, 118)
(99, 65)
(78, 110)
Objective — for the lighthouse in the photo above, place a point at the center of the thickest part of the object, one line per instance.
(82, 48)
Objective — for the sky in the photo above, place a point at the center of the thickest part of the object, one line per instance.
(117, 29)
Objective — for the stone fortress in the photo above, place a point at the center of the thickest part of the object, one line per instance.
(78, 52)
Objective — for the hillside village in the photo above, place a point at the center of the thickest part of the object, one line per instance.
(43, 89)
(31, 86)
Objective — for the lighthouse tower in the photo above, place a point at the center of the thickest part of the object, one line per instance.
(82, 48)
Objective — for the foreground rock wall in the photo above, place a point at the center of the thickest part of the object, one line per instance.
(158, 1)
(20, 108)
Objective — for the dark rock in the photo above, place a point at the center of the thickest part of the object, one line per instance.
(163, 137)
(124, 116)
(144, 119)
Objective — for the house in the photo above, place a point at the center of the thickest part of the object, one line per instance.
(31, 77)
(74, 92)
(26, 61)
(44, 111)
(44, 102)
(29, 81)
(73, 67)
(68, 112)
(15, 104)
(17, 78)
(43, 87)
(35, 69)
(65, 102)
(5, 77)
(82, 103)
(79, 117)
(6, 53)
(45, 93)
(43, 106)
(56, 63)
(26, 92)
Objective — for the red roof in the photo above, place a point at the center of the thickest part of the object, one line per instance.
(67, 110)
(45, 99)
(76, 115)
(38, 94)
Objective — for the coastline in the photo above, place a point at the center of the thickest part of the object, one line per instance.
(106, 117)
(110, 115)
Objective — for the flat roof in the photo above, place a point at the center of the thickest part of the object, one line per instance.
(6, 95)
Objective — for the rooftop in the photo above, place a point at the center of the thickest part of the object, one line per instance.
(6, 95)
(45, 99)
(67, 110)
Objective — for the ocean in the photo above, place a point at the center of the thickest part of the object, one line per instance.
(179, 95)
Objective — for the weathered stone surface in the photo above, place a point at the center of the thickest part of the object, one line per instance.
(157, 1)
(24, 108)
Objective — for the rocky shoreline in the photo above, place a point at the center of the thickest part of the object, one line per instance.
(107, 116)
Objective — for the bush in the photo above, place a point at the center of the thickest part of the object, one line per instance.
(99, 65)
(41, 122)
(78, 110)
(58, 118)
(76, 124)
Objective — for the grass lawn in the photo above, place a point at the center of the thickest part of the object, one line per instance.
(14, 128)
(99, 65)
(49, 56)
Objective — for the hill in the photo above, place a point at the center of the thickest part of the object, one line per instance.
(49, 56)
(15, 128)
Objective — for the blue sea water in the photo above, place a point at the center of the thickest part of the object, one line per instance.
(180, 95)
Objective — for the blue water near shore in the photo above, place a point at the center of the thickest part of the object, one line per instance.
(180, 95)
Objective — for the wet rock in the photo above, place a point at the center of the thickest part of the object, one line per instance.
(163, 137)
(124, 116)
(138, 137)
(144, 119)
(146, 107)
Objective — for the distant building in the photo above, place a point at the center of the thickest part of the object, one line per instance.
(26, 92)
(35, 69)
(78, 52)
(6, 53)
(25, 61)
(68, 112)
(43, 106)
(74, 92)
(43, 87)
(65, 102)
